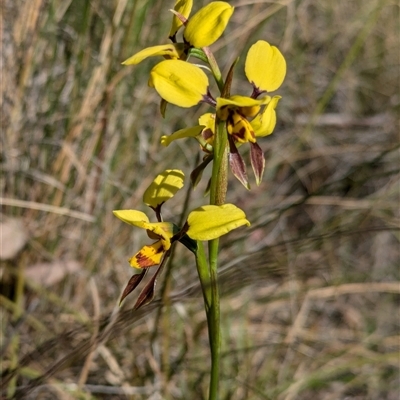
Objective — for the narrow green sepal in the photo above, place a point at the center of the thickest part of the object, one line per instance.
(197, 173)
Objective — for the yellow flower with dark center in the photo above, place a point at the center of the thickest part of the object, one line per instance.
(162, 232)
(235, 111)
(204, 223)
(246, 117)
(164, 187)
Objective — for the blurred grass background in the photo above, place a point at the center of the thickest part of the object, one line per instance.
(310, 291)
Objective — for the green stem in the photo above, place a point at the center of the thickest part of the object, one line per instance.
(208, 274)
(214, 68)
(209, 285)
(219, 184)
(219, 177)
(214, 320)
(204, 275)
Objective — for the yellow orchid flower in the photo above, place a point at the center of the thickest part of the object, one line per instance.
(179, 83)
(149, 255)
(235, 110)
(247, 118)
(207, 25)
(204, 223)
(265, 67)
(163, 187)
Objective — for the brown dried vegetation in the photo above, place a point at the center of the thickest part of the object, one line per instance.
(310, 290)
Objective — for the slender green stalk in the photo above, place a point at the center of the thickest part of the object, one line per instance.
(209, 285)
(219, 177)
(209, 278)
(219, 183)
(204, 275)
(214, 68)
(214, 320)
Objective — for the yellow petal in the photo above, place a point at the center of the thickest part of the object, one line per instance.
(155, 230)
(247, 106)
(148, 256)
(264, 123)
(208, 24)
(240, 128)
(163, 187)
(210, 222)
(163, 231)
(208, 120)
(173, 51)
(183, 7)
(265, 66)
(132, 217)
(179, 82)
(241, 101)
(182, 133)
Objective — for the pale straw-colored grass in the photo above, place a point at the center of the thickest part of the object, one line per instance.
(310, 290)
